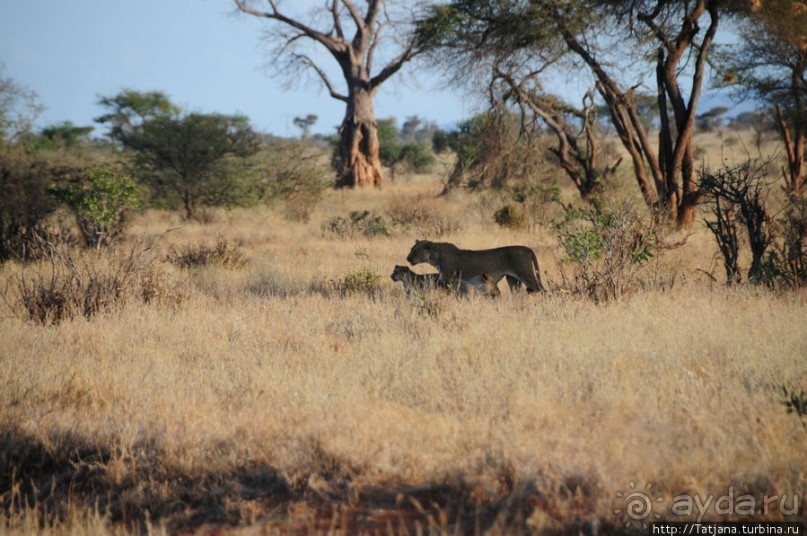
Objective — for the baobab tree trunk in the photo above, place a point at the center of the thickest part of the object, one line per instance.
(359, 164)
(358, 144)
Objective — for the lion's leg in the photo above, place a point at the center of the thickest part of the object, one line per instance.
(513, 283)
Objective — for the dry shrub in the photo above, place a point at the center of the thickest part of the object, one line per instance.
(159, 287)
(421, 219)
(64, 286)
(358, 223)
(510, 216)
(207, 215)
(223, 253)
(399, 219)
(25, 203)
(365, 280)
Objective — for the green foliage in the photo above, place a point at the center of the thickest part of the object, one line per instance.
(129, 110)
(583, 246)
(65, 134)
(536, 198)
(365, 280)
(794, 403)
(388, 147)
(395, 153)
(441, 141)
(465, 142)
(186, 159)
(99, 202)
(607, 249)
(418, 157)
(774, 37)
(195, 158)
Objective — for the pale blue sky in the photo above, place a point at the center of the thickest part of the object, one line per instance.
(203, 55)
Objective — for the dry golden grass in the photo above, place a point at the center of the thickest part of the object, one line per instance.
(271, 399)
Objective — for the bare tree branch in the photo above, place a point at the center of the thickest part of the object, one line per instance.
(337, 23)
(371, 50)
(335, 46)
(393, 66)
(354, 14)
(373, 6)
(308, 62)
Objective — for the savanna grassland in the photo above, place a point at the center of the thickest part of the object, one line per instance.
(258, 375)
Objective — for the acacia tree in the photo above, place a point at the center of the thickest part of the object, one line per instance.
(185, 156)
(188, 155)
(503, 43)
(769, 63)
(130, 110)
(19, 108)
(590, 33)
(359, 163)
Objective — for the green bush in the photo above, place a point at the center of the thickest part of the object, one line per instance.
(417, 158)
(99, 203)
(414, 157)
(364, 280)
(607, 249)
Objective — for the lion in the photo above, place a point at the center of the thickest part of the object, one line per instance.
(412, 281)
(517, 263)
(484, 285)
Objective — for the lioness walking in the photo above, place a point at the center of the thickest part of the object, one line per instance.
(517, 263)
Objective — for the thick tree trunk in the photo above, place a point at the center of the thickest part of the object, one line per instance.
(187, 202)
(360, 165)
(794, 147)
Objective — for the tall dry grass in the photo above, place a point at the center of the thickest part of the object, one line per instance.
(272, 398)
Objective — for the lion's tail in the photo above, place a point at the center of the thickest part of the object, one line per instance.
(537, 270)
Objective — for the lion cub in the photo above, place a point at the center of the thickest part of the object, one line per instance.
(413, 282)
(484, 285)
